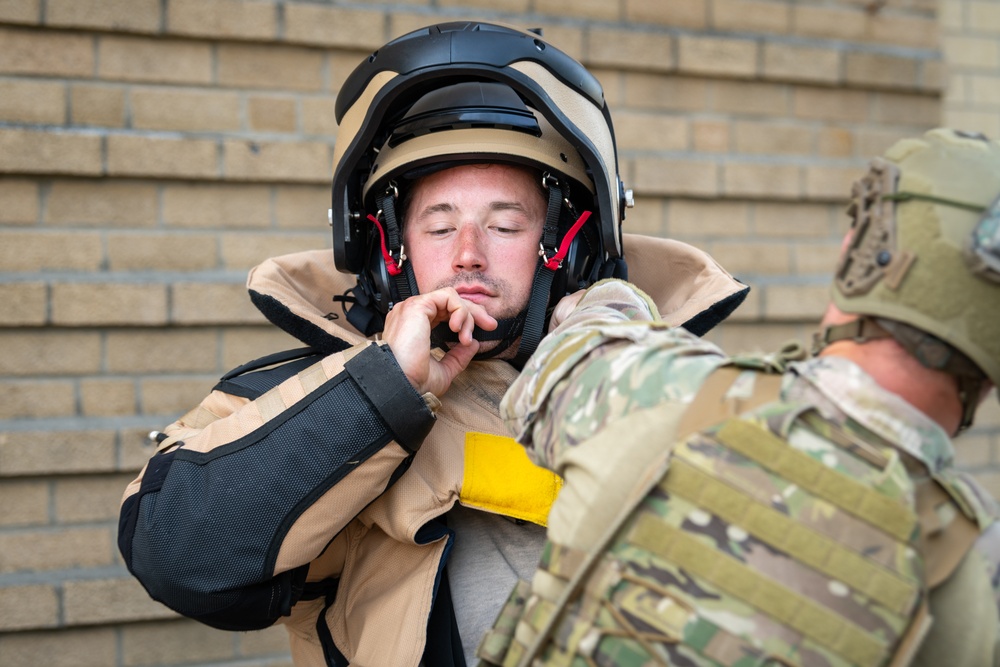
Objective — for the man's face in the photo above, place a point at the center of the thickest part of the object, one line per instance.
(476, 228)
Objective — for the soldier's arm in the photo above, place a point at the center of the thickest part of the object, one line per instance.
(251, 486)
(611, 356)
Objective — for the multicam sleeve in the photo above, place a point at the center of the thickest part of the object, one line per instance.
(610, 357)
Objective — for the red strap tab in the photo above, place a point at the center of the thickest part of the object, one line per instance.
(393, 267)
(555, 261)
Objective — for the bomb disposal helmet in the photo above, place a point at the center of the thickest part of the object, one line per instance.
(459, 93)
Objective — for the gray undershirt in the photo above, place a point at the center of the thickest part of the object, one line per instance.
(490, 554)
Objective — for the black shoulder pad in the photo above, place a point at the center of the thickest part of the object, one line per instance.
(256, 377)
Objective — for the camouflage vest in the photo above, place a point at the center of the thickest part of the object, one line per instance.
(769, 536)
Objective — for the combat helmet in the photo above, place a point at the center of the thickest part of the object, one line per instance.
(923, 261)
(466, 92)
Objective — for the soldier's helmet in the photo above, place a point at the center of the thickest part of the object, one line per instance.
(459, 93)
(925, 249)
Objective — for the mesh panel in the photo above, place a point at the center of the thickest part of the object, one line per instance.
(220, 518)
(253, 384)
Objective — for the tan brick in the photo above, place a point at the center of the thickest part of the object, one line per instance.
(761, 180)
(518, 6)
(136, 447)
(744, 259)
(758, 337)
(830, 104)
(48, 54)
(242, 344)
(191, 110)
(989, 481)
(334, 26)
(319, 116)
(97, 105)
(933, 75)
(658, 176)
(159, 61)
(651, 132)
(29, 152)
(875, 141)
(792, 220)
(913, 31)
(835, 142)
(161, 643)
(21, 11)
(716, 56)
(123, 15)
(100, 601)
(752, 16)
(974, 450)
(567, 38)
(48, 251)
(25, 503)
(984, 17)
(988, 415)
(37, 399)
(795, 302)
(245, 251)
(629, 49)
(597, 10)
(162, 351)
(952, 15)
(27, 304)
(656, 91)
(58, 550)
(219, 206)
(62, 648)
(278, 67)
(750, 99)
(212, 303)
(880, 70)
(710, 136)
(772, 139)
(147, 156)
(829, 22)
(28, 607)
(102, 397)
(815, 258)
(702, 219)
(101, 204)
(831, 182)
(104, 304)
(40, 102)
(646, 218)
(801, 63)
(162, 252)
(165, 396)
(20, 201)
(89, 499)
(286, 161)
(902, 109)
(54, 452)
(678, 13)
(971, 52)
(984, 91)
(301, 206)
(49, 353)
(272, 114)
(239, 19)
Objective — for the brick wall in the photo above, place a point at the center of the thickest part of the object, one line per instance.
(151, 151)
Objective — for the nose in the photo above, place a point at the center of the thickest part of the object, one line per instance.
(470, 251)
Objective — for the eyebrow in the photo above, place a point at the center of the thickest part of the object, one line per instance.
(445, 207)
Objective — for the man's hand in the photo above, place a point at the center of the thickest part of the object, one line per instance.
(408, 332)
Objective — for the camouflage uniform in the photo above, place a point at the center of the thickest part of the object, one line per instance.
(795, 535)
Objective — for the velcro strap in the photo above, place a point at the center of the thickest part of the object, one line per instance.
(785, 605)
(811, 475)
